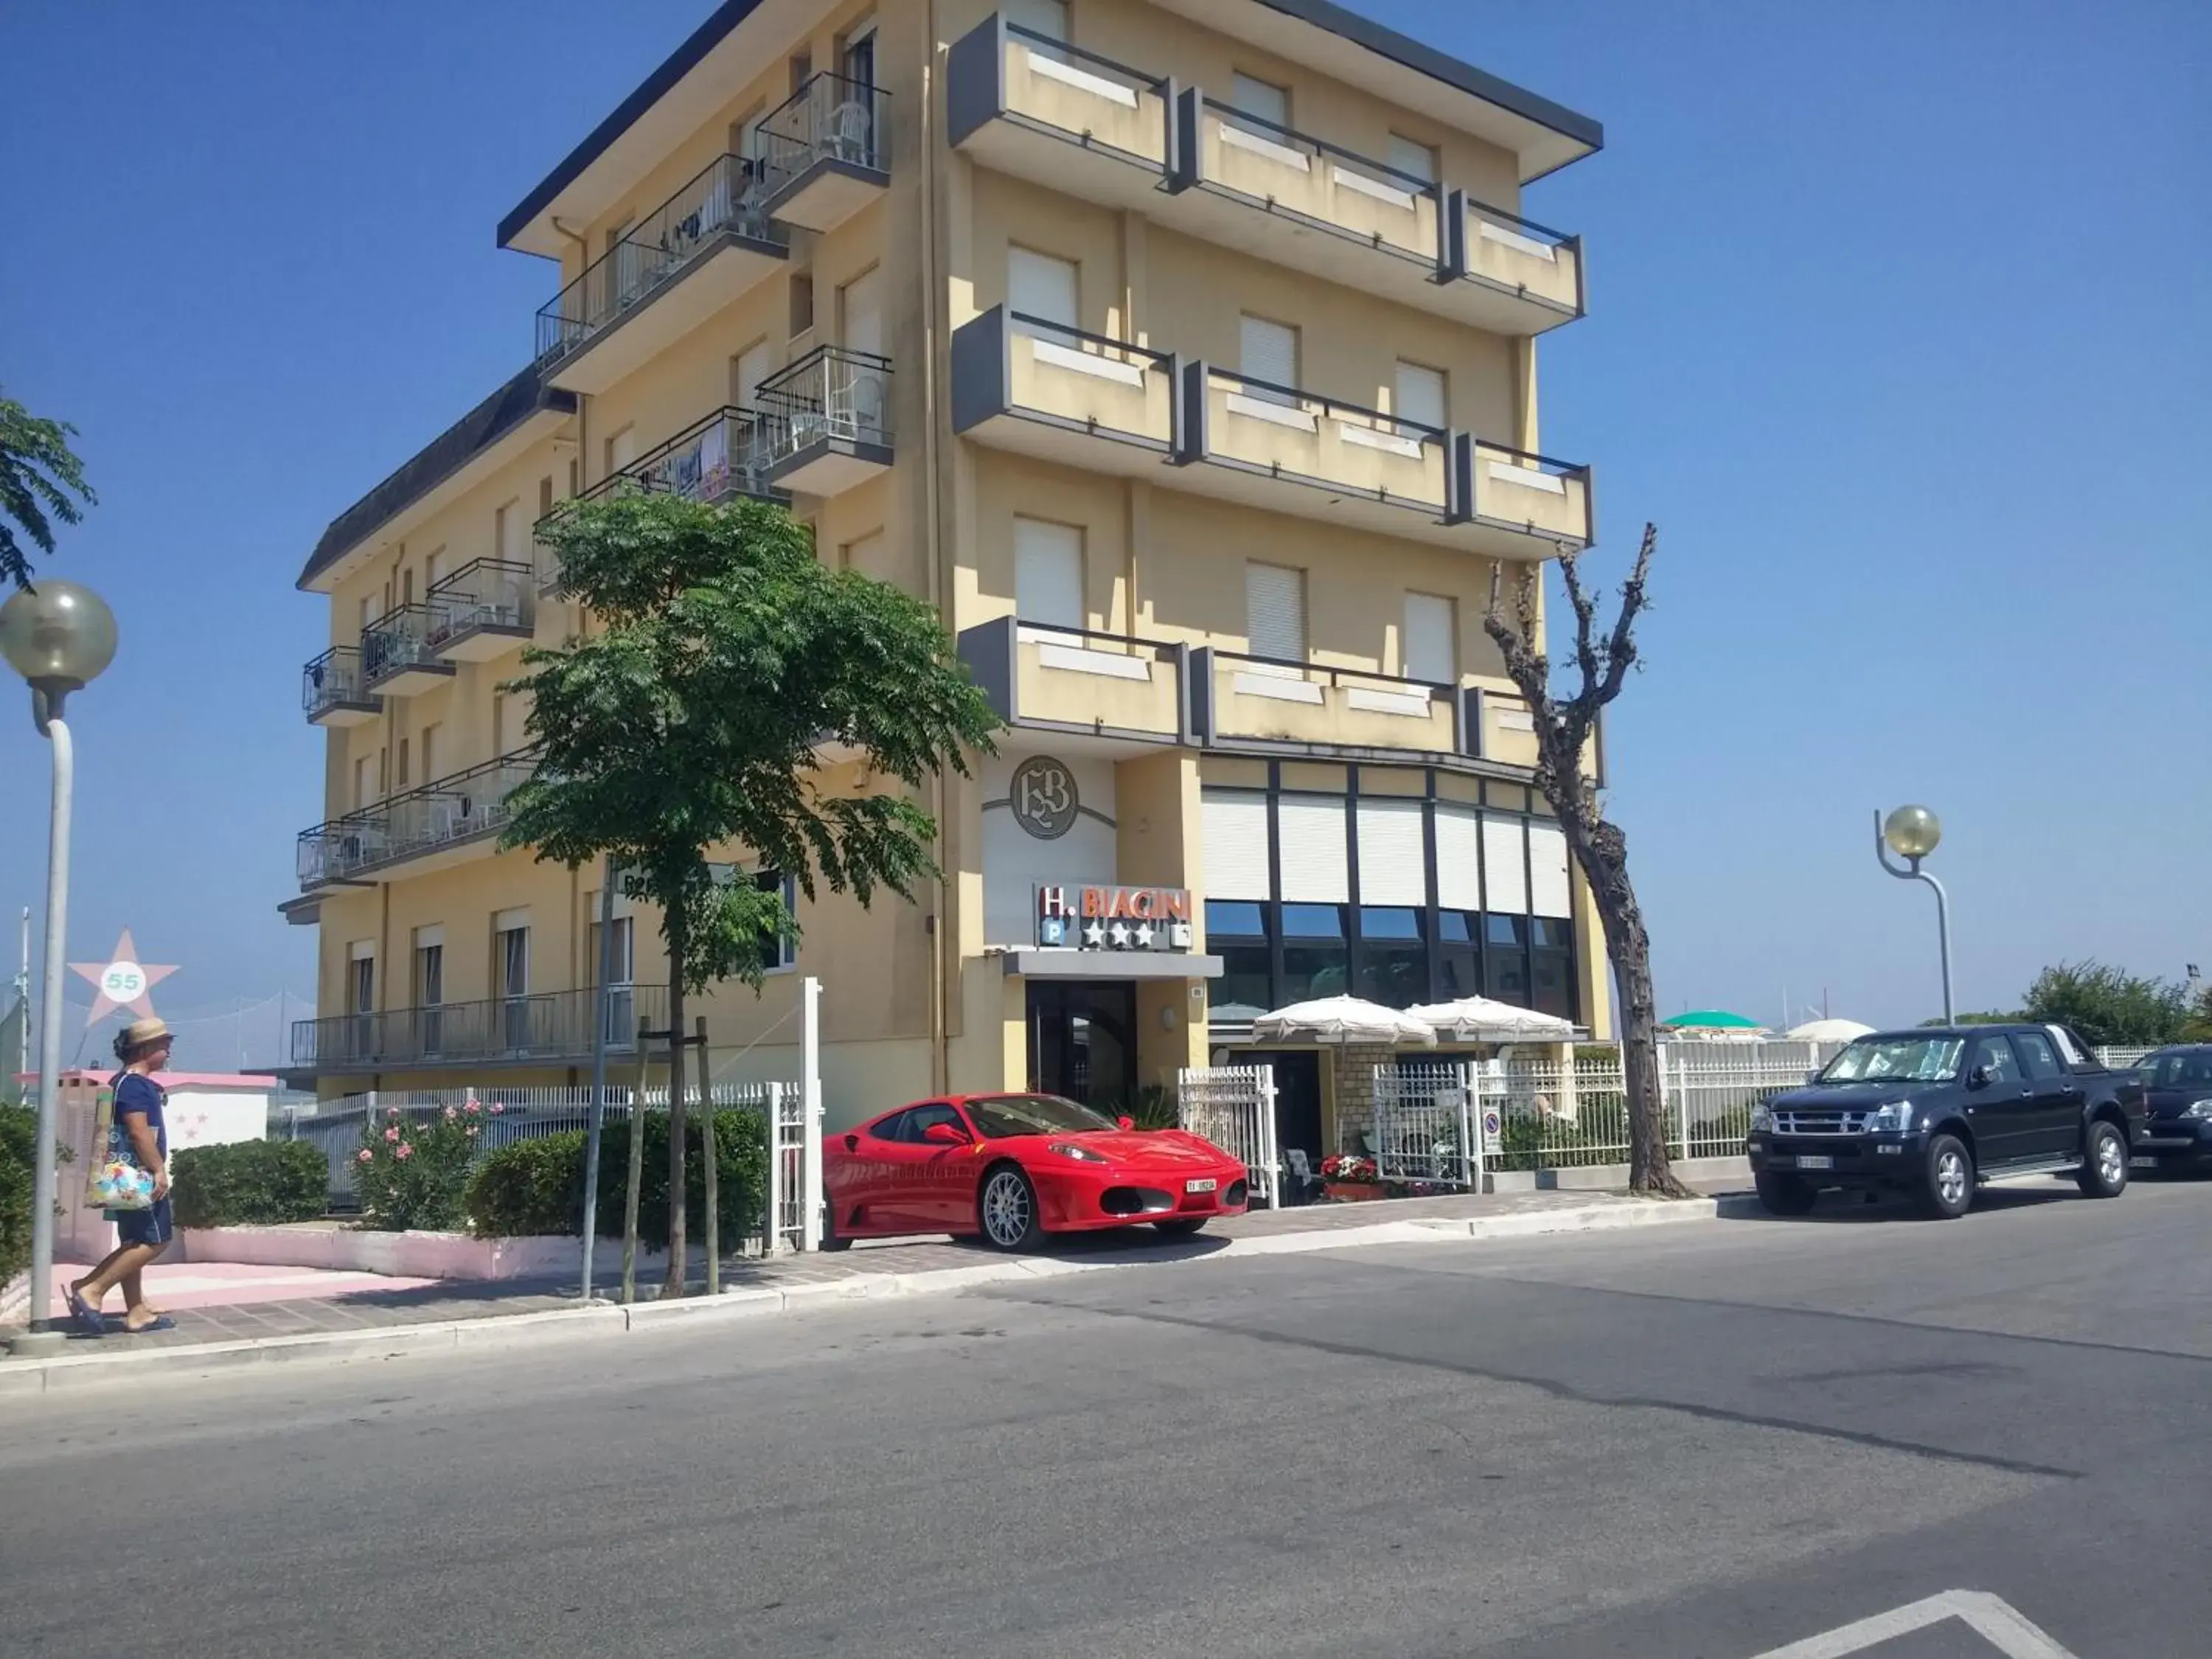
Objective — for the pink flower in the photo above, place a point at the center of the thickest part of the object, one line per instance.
(392, 1111)
(391, 1134)
(367, 1156)
(472, 1108)
(472, 1131)
(405, 1150)
(497, 1108)
(451, 1114)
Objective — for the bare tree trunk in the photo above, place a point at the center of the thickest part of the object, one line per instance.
(672, 1286)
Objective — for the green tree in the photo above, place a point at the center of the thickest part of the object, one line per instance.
(725, 655)
(39, 473)
(2107, 1005)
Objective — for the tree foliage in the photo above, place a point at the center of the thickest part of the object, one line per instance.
(2110, 1007)
(723, 656)
(39, 474)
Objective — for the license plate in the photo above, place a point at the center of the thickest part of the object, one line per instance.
(1815, 1161)
(1205, 1185)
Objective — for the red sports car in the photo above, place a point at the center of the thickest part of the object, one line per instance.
(1012, 1168)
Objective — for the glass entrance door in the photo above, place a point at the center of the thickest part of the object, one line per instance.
(1083, 1041)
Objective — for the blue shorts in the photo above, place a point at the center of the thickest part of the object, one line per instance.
(149, 1227)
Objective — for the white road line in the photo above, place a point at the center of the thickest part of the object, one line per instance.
(1989, 1616)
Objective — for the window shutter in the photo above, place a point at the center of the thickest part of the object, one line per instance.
(1432, 625)
(1045, 17)
(1419, 395)
(1459, 856)
(1048, 573)
(1275, 611)
(1235, 825)
(1417, 160)
(1038, 285)
(1316, 869)
(1548, 893)
(1261, 97)
(1506, 876)
(1269, 351)
(514, 534)
(1393, 864)
(860, 309)
(748, 368)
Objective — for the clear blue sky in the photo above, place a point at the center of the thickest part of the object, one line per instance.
(1898, 330)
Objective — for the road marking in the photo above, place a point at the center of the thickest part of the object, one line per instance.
(1994, 1620)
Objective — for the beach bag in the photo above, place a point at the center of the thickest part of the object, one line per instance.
(115, 1181)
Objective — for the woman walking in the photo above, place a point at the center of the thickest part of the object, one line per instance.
(141, 1235)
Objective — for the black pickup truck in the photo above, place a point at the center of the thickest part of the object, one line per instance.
(1935, 1111)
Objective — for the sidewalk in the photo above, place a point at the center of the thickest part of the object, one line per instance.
(444, 1312)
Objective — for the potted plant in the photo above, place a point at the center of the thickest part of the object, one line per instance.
(1349, 1178)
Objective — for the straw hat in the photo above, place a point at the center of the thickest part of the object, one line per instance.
(144, 1034)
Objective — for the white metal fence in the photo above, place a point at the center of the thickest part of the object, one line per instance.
(1234, 1107)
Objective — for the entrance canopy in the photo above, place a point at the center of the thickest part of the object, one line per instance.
(1341, 1019)
(1484, 1019)
(1049, 963)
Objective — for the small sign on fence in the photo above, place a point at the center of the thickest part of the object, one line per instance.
(1493, 1129)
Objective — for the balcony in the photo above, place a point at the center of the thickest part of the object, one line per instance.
(483, 610)
(449, 821)
(826, 152)
(543, 1027)
(396, 655)
(1073, 680)
(1023, 104)
(829, 421)
(692, 255)
(334, 692)
(1021, 383)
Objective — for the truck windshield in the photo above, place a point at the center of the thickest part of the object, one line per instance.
(1895, 1058)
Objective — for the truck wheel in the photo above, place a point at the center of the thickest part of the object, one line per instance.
(1781, 1194)
(1947, 1186)
(2104, 1171)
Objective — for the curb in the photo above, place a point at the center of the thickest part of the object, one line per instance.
(37, 1377)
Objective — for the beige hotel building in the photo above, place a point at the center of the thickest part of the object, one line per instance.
(1183, 356)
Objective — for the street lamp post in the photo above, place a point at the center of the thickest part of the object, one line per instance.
(1912, 833)
(59, 636)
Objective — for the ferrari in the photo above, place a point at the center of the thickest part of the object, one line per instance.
(1012, 1168)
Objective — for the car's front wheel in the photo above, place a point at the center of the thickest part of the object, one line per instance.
(2104, 1172)
(1946, 1190)
(1782, 1194)
(1006, 1210)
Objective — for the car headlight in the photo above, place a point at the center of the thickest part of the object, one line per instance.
(1080, 1154)
(1762, 1120)
(1892, 1119)
(2199, 1108)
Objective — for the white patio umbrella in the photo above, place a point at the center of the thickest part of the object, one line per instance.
(1341, 1019)
(1486, 1019)
(1827, 1031)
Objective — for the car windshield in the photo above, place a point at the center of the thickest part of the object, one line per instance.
(1034, 1115)
(1895, 1058)
(2181, 1070)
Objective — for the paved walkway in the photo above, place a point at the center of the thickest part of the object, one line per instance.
(266, 1302)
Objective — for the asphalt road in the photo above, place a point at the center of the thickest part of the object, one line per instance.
(1710, 1441)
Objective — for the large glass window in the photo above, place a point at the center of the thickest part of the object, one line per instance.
(1459, 956)
(1236, 932)
(1315, 955)
(1551, 967)
(1394, 956)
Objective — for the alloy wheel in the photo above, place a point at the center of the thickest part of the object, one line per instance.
(1007, 1208)
(2111, 1168)
(1951, 1176)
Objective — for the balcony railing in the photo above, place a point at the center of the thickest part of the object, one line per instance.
(398, 643)
(829, 141)
(484, 596)
(332, 685)
(1012, 371)
(449, 811)
(724, 455)
(831, 403)
(1343, 448)
(539, 1028)
(724, 203)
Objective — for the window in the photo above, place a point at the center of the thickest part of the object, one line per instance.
(511, 965)
(1552, 968)
(858, 60)
(1234, 822)
(1249, 95)
(1993, 1055)
(361, 625)
(433, 571)
(870, 555)
(1267, 352)
(892, 1127)
(401, 771)
(1413, 159)
(544, 496)
(429, 752)
(779, 950)
(802, 69)
(861, 314)
(621, 449)
(1314, 952)
(1393, 955)
(2041, 1058)
(407, 586)
(802, 302)
(512, 534)
(1048, 575)
(747, 370)
(364, 781)
(1418, 395)
(1275, 612)
(1459, 955)
(919, 1119)
(1045, 17)
(361, 970)
(429, 967)
(1432, 649)
(620, 1002)
(1236, 932)
(1040, 286)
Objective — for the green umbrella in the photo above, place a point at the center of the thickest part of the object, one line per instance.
(1711, 1019)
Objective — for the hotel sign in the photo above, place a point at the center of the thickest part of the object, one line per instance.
(1113, 918)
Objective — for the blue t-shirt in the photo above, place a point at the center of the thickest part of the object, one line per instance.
(137, 1092)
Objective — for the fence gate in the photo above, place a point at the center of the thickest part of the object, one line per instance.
(1234, 1107)
(1425, 1122)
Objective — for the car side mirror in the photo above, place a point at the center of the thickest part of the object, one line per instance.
(943, 1134)
(1979, 1077)
(1813, 1076)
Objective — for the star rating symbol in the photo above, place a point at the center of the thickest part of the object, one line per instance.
(122, 980)
(1120, 934)
(1095, 934)
(1144, 936)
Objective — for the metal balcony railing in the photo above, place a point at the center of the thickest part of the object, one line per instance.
(445, 813)
(535, 1027)
(334, 680)
(830, 394)
(398, 640)
(482, 593)
(724, 455)
(830, 118)
(723, 202)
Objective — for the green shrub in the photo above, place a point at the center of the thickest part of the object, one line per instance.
(534, 1186)
(249, 1183)
(414, 1167)
(19, 1134)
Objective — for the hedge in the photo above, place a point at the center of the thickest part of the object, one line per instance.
(249, 1183)
(19, 1138)
(537, 1187)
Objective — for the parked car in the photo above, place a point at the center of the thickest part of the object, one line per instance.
(2178, 1085)
(1935, 1112)
(1011, 1167)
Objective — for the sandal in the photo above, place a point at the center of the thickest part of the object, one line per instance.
(159, 1322)
(88, 1317)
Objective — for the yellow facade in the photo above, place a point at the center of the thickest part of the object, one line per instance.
(833, 224)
